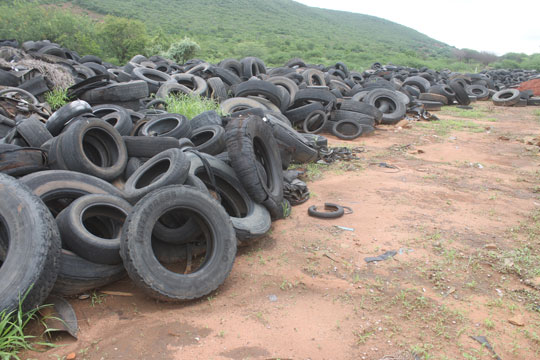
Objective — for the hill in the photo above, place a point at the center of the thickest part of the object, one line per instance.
(277, 30)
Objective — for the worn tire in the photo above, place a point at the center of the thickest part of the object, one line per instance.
(91, 225)
(169, 167)
(78, 275)
(251, 141)
(30, 237)
(145, 270)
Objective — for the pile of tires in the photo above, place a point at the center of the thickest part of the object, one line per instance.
(112, 184)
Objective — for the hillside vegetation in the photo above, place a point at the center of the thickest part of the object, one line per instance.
(274, 30)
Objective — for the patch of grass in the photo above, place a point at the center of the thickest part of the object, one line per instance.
(464, 113)
(13, 340)
(444, 127)
(536, 112)
(312, 171)
(57, 98)
(191, 105)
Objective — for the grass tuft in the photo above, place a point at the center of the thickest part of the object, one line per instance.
(13, 340)
(191, 105)
(57, 98)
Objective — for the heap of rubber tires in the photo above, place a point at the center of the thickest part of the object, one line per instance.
(112, 183)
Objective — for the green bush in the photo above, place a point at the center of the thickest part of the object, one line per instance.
(182, 50)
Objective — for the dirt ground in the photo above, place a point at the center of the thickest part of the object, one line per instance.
(461, 208)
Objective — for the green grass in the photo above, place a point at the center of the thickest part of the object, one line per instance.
(479, 114)
(191, 105)
(57, 98)
(536, 112)
(444, 127)
(13, 339)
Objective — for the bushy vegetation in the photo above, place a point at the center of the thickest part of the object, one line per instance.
(190, 105)
(275, 31)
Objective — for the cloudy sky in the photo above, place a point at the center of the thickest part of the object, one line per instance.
(494, 25)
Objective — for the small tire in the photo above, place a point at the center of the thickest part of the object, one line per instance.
(91, 227)
(169, 167)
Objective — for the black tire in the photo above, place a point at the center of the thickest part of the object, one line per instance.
(252, 66)
(259, 88)
(444, 90)
(133, 164)
(78, 275)
(8, 79)
(299, 114)
(384, 98)
(314, 77)
(434, 97)
(154, 78)
(461, 94)
(147, 146)
(115, 115)
(480, 91)
(139, 259)
(91, 225)
(119, 92)
(347, 129)
(30, 236)
(56, 122)
(33, 131)
(209, 117)
(217, 89)
(196, 84)
(337, 211)
(250, 220)
(362, 108)
(294, 142)
(169, 167)
(168, 125)
(209, 139)
(507, 97)
(236, 104)
(338, 115)
(227, 76)
(171, 88)
(250, 141)
(92, 147)
(288, 84)
(419, 82)
(19, 161)
(315, 122)
(307, 95)
(58, 188)
(20, 93)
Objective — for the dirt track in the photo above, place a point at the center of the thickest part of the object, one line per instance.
(463, 206)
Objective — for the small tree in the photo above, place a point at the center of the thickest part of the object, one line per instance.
(123, 38)
(183, 50)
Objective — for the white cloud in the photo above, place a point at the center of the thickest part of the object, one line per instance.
(495, 26)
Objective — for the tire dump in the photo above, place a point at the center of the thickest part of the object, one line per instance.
(111, 185)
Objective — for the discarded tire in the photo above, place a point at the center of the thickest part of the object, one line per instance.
(29, 236)
(152, 276)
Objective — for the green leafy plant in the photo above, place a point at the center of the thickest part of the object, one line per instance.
(57, 98)
(182, 50)
(190, 105)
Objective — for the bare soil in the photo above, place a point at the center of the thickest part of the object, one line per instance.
(462, 208)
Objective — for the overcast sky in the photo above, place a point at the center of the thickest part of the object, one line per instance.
(493, 25)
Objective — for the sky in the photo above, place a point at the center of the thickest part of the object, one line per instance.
(495, 26)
